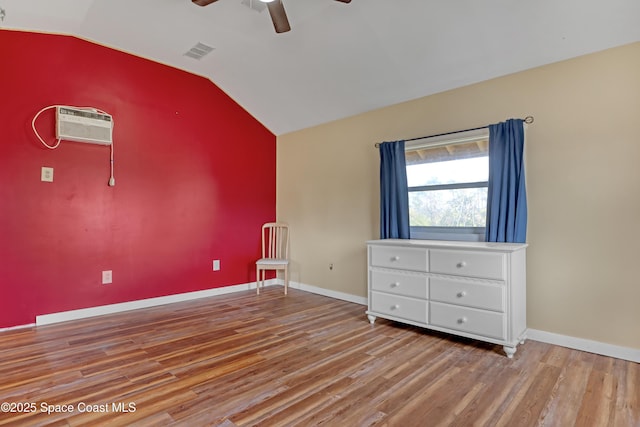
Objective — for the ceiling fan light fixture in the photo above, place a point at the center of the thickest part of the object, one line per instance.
(276, 10)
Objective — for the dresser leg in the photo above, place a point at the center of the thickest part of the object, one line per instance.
(509, 351)
(371, 318)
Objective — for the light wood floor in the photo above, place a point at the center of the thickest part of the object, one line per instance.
(304, 359)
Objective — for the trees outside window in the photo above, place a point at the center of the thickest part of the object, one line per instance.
(448, 184)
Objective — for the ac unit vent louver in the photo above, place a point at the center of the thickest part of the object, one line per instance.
(73, 124)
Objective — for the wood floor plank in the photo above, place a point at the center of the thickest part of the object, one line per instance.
(597, 403)
(627, 409)
(484, 409)
(565, 400)
(461, 381)
(535, 399)
(302, 385)
(243, 359)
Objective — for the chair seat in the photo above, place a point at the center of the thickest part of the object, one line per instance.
(272, 261)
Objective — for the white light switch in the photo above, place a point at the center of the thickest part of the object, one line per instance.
(46, 174)
(216, 264)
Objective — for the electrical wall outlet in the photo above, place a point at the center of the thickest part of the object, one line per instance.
(46, 174)
(216, 265)
(107, 277)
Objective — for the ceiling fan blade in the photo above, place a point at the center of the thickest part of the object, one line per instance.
(344, 1)
(203, 2)
(278, 16)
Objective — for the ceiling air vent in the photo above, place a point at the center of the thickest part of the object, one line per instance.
(198, 51)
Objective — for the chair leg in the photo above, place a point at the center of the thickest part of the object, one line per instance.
(258, 280)
(286, 279)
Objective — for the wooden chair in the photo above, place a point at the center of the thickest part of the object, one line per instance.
(275, 252)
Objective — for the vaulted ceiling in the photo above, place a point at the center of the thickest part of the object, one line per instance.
(339, 59)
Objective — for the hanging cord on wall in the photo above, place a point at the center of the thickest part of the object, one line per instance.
(112, 180)
(33, 126)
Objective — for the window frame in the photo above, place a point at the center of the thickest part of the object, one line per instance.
(476, 234)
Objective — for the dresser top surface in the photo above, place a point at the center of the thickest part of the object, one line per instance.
(446, 244)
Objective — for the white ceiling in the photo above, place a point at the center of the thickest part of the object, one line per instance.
(340, 59)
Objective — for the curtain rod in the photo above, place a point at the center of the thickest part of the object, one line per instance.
(528, 120)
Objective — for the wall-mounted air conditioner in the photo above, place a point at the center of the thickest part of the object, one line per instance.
(74, 124)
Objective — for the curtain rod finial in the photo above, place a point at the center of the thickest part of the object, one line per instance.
(528, 120)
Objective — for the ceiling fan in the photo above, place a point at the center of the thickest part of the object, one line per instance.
(276, 10)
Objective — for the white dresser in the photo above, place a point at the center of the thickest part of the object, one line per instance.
(473, 289)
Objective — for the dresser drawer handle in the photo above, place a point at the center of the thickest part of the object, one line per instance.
(395, 307)
(395, 258)
(395, 285)
(462, 320)
(461, 294)
(461, 264)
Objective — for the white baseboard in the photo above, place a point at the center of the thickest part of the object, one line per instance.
(13, 328)
(48, 319)
(328, 293)
(604, 349)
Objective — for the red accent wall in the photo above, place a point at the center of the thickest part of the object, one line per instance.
(195, 179)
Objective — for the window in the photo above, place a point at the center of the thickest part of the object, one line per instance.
(448, 181)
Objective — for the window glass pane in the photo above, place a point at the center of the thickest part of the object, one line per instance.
(449, 172)
(466, 207)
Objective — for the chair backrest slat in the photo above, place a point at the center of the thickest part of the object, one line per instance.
(275, 240)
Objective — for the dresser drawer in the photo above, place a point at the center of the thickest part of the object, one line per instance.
(400, 284)
(467, 293)
(399, 306)
(466, 263)
(471, 320)
(403, 258)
